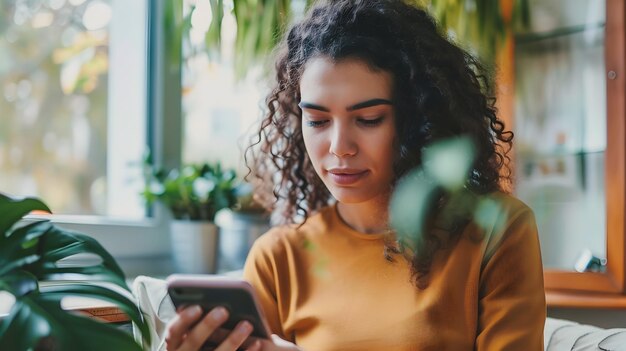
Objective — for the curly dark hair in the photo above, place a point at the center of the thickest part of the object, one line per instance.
(439, 91)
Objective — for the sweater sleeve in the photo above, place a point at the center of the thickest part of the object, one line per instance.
(512, 305)
(260, 272)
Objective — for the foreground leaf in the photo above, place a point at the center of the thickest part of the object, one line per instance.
(31, 253)
(56, 293)
(36, 321)
(14, 209)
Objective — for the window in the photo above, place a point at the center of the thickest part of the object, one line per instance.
(73, 100)
(218, 111)
(81, 98)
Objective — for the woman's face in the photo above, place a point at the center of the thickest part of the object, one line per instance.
(348, 127)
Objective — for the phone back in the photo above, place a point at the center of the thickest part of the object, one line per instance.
(236, 295)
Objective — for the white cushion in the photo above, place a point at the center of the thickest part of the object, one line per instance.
(564, 335)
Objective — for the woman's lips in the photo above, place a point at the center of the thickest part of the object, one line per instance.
(346, 177)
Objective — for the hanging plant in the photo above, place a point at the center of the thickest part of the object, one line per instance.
(479, 25)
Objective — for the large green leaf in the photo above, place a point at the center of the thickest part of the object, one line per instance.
(31, 253)
(34, 320)
(444, 173)
(59, 244)
(24, 326)
(19, 247)
(13, 210)
(102, 292)
(410, 206)
(19, 283)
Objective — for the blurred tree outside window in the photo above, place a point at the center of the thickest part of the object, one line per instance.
(73, 103)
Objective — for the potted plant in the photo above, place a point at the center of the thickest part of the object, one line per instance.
(30, 253)
(193, 194)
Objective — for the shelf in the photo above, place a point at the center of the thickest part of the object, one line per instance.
(568, 299)
(559, 154)
(524, 38)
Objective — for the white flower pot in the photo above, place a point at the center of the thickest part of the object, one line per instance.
(194, 246)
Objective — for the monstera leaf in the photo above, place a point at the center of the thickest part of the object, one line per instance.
(30, 254)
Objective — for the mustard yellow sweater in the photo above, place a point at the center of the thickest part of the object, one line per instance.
(326, 286)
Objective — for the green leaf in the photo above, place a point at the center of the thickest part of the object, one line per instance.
(24, 326)
(260, 25)
(410, 206)
(92, 274)
(62, 243)
(14, 251)
(268, 26)
(213, 37)
(19, 283)
(33, 318)
(30, 253)
(479, 27)
(457, 210)
(14, 209)
(58, 292)
(449, 161)
(194, 192)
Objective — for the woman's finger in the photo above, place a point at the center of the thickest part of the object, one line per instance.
(236, 338)
(180, 325)
(256, 346)
(201, 331)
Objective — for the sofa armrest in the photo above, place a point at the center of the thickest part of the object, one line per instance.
(564, 335)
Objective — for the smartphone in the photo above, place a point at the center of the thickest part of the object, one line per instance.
(207, 291)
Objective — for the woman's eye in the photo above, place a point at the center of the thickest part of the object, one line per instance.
(371, 122)
(316, 124)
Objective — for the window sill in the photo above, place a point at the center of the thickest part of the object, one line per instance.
(569, 299)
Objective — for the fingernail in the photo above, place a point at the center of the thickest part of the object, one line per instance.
(193, 311)
(219, 313)
(244, 327)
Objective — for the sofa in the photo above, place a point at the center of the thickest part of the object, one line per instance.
(564, 335)
(559, 335)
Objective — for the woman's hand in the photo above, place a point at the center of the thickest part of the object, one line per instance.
(188, 332)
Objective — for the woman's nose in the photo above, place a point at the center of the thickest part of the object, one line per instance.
(342, 143)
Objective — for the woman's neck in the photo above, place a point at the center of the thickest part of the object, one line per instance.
(367, 217)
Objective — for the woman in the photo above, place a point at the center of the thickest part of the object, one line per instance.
(362, 88)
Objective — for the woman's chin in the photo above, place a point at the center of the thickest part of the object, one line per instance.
(352, 196)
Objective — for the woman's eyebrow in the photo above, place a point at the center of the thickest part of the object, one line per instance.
(368, 103)
(357, 106)
(311, 106)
